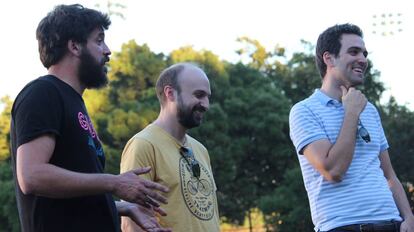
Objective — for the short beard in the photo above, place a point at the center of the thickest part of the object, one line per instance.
(91, 73)
(185, 114)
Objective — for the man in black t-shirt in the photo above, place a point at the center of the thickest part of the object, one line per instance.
(57, 157)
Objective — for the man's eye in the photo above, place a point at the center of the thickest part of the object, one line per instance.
(353, 52)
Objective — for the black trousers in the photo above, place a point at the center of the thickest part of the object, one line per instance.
(391, 226)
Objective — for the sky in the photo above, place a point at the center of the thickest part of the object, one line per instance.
(165, 25)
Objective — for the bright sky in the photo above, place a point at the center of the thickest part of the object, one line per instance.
(215, 25)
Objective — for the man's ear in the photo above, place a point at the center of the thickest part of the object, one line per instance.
(170, 93)
(329, 59)
(74, 48)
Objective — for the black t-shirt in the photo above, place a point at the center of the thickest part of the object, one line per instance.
(48, 105)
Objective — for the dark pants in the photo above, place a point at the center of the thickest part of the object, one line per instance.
(391, 226)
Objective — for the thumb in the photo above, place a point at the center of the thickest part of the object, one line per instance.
(344, 90)
(140, 171)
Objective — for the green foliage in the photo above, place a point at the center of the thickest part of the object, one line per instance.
(129, 103)
(373, 87)
(5, 128)
(210, 63)
(246, 129)
(287, 208)
(255, 51)
(9, 219)
(134, 69)
(397, 122)
(245, 148)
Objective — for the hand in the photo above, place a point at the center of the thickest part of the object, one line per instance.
(353, 100)
(407, 225)
(131, 187)
(146, 217)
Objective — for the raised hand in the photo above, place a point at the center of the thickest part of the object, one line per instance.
(353, 100)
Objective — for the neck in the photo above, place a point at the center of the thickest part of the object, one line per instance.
(331, 88)
(169, 123)
(67, 73)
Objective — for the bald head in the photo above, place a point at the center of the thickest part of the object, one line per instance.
(178, 74)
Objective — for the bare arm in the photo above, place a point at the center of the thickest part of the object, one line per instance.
(37, 176)
(398, 192)
(333, 160)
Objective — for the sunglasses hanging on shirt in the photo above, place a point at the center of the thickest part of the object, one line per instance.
(363, 132)
(188, 155)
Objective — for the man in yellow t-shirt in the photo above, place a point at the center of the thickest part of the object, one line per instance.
(178, 161)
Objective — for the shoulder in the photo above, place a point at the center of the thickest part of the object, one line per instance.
(196, 144)
(138, 140)
(305, 104)
(302, 109)
(41, 85)
(371, 109)
(38, 93)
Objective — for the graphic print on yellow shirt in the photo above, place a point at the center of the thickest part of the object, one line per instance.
(197, 192)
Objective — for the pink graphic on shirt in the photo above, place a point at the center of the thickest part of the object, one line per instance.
(86, 124)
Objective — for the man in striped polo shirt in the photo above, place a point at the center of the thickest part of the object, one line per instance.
(341, 146)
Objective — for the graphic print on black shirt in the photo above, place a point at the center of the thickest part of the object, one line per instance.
(48, 105)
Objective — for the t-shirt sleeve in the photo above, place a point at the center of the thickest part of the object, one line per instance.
(138, 153)
(304, 127)
(383, 139)
(37, 111)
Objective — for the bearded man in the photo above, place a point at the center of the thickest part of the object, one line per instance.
(57, 157)
(178, 161)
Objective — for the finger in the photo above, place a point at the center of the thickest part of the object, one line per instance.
(151, 202)
(143, 203)
(140, 171)
(155, 196)
(344, 90)
(165, 230)
(155, 186)
(161, 230)
(161, 211)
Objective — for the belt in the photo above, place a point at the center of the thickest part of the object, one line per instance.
(391, 226)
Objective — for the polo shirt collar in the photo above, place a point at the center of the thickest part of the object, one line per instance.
(325, 99)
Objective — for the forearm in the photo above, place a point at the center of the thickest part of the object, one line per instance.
(51, 181)
(340, 155)
(400, 198)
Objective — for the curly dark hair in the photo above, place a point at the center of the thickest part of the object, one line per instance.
(330, 41)
(64, 23)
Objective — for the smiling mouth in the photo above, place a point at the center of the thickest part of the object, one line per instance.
(359, 70)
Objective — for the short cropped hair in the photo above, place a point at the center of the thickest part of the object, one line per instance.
(330, 41)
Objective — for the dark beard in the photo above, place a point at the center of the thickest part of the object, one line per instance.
(185, 114)
(91, 73)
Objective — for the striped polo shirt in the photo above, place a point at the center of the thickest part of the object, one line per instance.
(363, 194)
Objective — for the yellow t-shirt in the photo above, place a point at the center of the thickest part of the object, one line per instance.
(192, 203)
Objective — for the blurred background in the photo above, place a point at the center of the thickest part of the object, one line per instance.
(259, 56)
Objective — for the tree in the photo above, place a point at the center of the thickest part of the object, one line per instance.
(210, 63)
(287, 208)
(129, 103)
(397, 121)
(5, 128)
(9, 220)
(243, 146)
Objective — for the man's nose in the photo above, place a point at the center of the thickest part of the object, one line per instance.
(107, 51)
(205, 102)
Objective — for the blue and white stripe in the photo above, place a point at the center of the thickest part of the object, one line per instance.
(363, 194)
